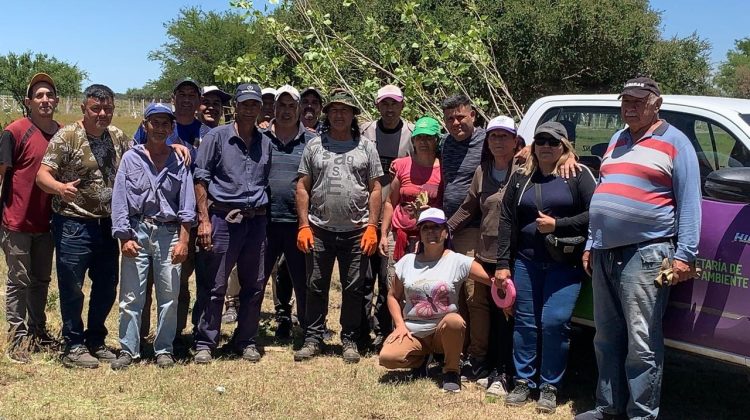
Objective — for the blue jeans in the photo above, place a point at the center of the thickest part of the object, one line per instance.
(156, 243)
(629, 341)
(83, 245)
(545, 297)
(243, 244)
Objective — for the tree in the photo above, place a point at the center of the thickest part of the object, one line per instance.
(198, 42)
(733, 77)
(16, 70)
(503, 54)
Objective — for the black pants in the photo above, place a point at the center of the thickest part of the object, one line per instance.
(329, 247)
(291, 274)
(375, 316)
(500, 354)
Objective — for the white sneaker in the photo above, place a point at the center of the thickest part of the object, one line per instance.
(498, 387)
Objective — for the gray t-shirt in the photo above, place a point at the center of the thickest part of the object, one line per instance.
(431, 289)
(340, 172)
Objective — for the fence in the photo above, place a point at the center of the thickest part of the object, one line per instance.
(124, 107)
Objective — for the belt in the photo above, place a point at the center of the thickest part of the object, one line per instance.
(236, 215)
(669, 239)
(153, 221)
(90, 220)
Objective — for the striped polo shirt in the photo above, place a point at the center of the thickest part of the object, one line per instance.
(649, 189)
(283, 177)
(458, 162)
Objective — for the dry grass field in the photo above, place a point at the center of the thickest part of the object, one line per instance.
(322, 388)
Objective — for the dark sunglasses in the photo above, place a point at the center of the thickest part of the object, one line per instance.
(551, 141)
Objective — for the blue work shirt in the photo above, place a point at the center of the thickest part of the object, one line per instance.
(139, 191)
(189, 135)
(283, 178)
(235, 174)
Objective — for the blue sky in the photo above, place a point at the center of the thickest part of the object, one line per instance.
(111, 39)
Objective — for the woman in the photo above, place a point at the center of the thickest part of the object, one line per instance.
(485, 194)
(413, 176)
(428, 283)
(539, 202)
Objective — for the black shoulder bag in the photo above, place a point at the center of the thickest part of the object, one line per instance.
(566, 250)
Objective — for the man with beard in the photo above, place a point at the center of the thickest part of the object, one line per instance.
(78, 170)
(26, 211)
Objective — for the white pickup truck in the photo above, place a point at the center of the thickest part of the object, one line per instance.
(709, 316)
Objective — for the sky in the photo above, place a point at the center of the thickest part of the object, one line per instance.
(111, 39)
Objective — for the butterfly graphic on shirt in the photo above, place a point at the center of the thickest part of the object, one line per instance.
(436, 301)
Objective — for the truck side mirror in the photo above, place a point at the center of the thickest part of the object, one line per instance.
(729, 184)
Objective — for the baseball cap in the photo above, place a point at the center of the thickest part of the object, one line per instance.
(341, 96)
(553, 128)
(502, 122)
(640, 87)
(215, 89)
(158, 108)
(312, 90)
(426, 125)
(38, 78)
(389, 91)
(248, 91)
(433, 215)
(268, 91)
(186, 81)
(289, 90)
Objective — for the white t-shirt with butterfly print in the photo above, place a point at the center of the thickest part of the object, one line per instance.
(431, 289)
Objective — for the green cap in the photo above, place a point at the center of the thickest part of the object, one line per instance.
(341, 96)
(426, 125)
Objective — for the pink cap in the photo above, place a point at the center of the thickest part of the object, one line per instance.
(390, 91)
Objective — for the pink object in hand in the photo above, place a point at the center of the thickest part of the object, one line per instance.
(510, 295)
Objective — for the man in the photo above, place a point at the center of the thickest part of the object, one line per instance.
(266, 111)
(78, 170)
(153, 208)
(231, 175)
(646, 209)
(311, 106)
(288, 137)
(392, 136)
(189, 132)
(461, 155)
(212, 103)
(26, 211)
(338, 204)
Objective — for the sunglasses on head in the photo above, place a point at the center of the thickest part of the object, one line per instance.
(551, 141)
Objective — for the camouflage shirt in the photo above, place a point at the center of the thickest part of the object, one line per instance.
(75, 155)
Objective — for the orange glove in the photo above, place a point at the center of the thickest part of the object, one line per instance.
(369, 241)
(305, 239)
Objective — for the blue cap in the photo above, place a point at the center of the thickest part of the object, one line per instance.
(158, 108)
(248, 91)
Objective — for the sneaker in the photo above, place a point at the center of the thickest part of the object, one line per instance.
(79, 357)
(42, 340)
(423, 370)
(283, 330)
(308, 351)
(164, 360)
(474, 368)
(103, 354)
(122, 362)
(203, 357)
(520, 394)
(598, 415)
(547, 401)
(19, 351)
(251, 354)
(230, 315)
(351, 353)
(498, 387)
(451, 382)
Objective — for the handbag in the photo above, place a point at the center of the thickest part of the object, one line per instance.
(567, 249)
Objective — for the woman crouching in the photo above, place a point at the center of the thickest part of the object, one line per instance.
(428, 282)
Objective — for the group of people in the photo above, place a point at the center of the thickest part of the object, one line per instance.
(423, 227)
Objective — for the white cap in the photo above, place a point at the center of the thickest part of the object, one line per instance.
(390, 91)
(502, 123)
(433, 215)
(268, 91)
(290, 90)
